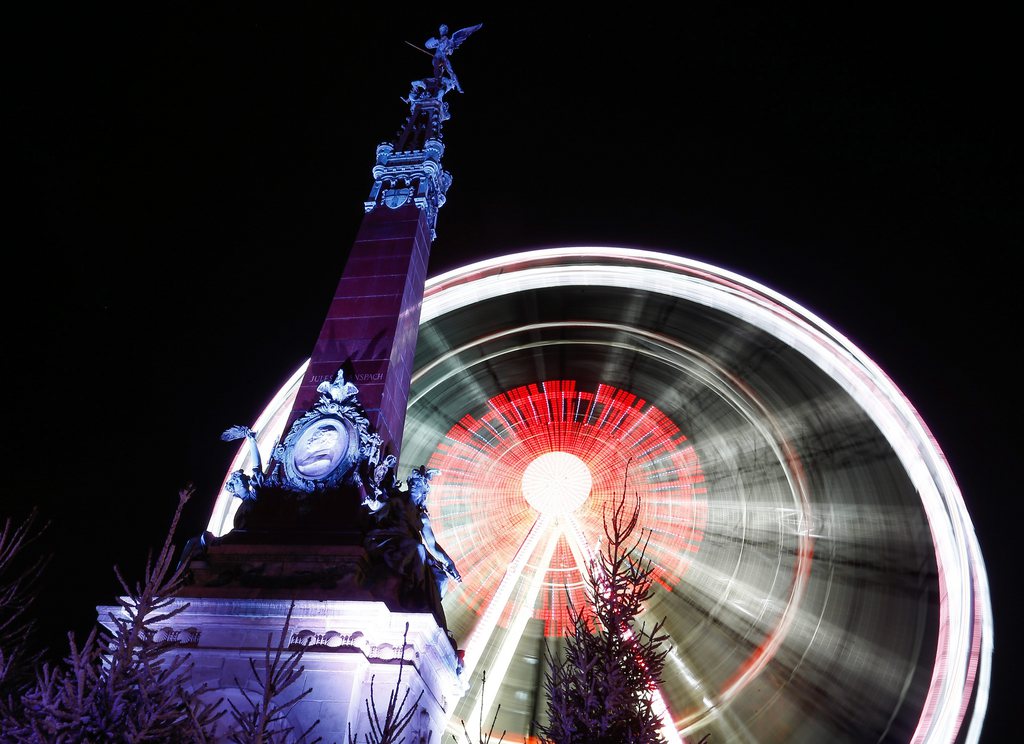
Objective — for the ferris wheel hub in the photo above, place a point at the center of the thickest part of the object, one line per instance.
(556, 483)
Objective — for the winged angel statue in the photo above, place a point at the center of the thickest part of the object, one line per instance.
(444, 46)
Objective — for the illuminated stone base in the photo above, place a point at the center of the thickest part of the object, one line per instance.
(350, 644)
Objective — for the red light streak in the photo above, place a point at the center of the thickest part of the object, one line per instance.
(478, 506)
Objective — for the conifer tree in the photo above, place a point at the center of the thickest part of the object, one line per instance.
(264, 720)
(481, 738)
(600, 689)
(391, 728)
(19, 587)
(121, 687)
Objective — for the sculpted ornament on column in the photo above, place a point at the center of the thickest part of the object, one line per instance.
(401, 540)
(329, 468)
(322, 448)
(242, 486)
(330, 446)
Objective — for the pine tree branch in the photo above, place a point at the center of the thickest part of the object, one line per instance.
(265, 717)
(396, 717)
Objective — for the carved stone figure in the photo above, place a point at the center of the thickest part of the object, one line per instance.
(379, 483)
(239, 432)
(444, 46)
(240, 485)
(330, 473)
(441, 564)
(419, 90)
(401, 539)
(338, 390)
(324, 447)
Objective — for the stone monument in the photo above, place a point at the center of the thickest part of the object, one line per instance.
(327, 529)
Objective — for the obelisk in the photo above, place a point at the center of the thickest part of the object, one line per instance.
(327, 526)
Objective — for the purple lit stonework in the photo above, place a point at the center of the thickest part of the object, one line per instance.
(373, 319)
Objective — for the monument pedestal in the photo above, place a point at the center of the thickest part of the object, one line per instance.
(347, 645)
(256, 569)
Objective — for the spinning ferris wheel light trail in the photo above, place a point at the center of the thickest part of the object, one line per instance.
(813, 555)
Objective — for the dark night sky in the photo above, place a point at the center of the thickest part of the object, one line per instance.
(186, 183)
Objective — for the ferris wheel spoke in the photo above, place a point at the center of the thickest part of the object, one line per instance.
(500, 664)
(484, 628)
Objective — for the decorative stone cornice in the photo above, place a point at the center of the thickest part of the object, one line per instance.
(368, 629)
(410, 176)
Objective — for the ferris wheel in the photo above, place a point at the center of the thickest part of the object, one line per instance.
(818, 574)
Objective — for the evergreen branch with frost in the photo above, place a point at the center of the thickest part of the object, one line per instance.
(265, 719)
(396, 718)
(123, 687)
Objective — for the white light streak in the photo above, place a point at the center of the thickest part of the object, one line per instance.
(489, 619)
(499, 666)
